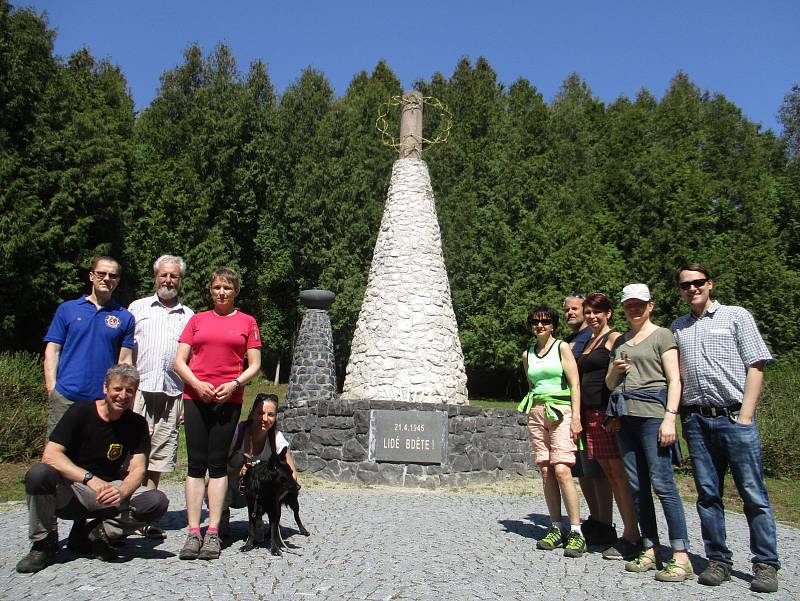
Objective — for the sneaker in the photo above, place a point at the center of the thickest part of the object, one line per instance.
(642, 563)
(765, 578)
(191, 548)
(715, 574)
(210, 548)
(552, 540)
(576, 545)
(623, 549)
(598, 533)
(42, 554)
(225, 523)
(102, 548)
(675, 572)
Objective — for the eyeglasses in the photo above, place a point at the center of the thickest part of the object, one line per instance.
(544, 322)
(101, 275)
(696, 283)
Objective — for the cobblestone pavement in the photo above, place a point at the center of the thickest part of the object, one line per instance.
(379, 544)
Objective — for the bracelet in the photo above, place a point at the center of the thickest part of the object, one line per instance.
(672, 411)
(238, 384)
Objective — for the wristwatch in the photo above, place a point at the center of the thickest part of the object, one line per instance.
(87, 476)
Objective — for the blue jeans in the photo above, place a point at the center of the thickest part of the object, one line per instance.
(714, 444)
(649, 465)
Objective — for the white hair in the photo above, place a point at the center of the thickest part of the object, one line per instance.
(170, 259)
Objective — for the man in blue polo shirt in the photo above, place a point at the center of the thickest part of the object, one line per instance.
(86, 337)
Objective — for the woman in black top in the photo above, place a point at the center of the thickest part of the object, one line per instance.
(600, 442)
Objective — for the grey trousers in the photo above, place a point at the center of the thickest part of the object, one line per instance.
(58, 405)
(51, 497)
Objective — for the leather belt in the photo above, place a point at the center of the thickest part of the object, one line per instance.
(712, 411)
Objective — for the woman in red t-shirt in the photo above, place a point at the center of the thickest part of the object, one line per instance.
(210, 360)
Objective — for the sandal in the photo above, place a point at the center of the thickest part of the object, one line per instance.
(675, 572)
(643, 563)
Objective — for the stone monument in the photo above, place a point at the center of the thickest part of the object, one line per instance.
(405, 346)
(313, 375)
(403, 418)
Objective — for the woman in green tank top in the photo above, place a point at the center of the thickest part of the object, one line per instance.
(553, 405)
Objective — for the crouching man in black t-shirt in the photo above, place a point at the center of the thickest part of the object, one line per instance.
(92, 467)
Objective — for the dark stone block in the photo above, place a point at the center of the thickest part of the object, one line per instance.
(368, 477)
(330, 437)
(315, 464)
(475, 458)
(300, 460)
(499, 445)
(414, 469)
(461, 464)
(490, 461)
(361, 421)
(353, 451)
(391, 474)
(471, 410)
(299, 441)
(329, 453)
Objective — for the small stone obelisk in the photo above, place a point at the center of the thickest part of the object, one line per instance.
(405, 346)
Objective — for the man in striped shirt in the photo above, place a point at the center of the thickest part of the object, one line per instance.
(160, 319)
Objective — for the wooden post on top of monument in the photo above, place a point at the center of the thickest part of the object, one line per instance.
(411, 126)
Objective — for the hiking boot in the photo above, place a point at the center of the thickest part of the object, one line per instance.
(675, 572)
(576, 545)
(552, 540)
(42, 554)
(191, 548)
(715, 574)
(225, 523)
(210, 548)
(78, 541)
(102, 548)
(624, 550)
(765, 578)
(598, 533)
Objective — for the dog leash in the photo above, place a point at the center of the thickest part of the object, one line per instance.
(248, 465)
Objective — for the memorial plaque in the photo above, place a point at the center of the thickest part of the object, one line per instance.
(408, 436)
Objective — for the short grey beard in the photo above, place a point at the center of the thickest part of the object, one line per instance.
(166, 293)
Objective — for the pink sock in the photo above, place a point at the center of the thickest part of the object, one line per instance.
(212, 530)
(196, 532)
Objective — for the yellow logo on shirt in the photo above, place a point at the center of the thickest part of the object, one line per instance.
(114, 451)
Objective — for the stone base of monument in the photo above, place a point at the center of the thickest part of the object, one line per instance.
(398, 443)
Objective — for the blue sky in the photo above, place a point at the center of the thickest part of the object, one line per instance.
(741, 49)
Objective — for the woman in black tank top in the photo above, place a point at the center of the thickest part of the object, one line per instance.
(601, 444)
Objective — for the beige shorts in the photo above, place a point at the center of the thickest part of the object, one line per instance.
(551, 441)
(162, 413)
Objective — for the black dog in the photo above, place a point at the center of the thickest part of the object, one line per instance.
(268, 484)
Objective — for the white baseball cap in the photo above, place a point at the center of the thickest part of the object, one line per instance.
(637, 291)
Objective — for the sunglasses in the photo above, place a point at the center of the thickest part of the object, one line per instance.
(544, 322)
(101, 275)
(696, 283)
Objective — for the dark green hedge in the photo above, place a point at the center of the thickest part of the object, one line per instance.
(23, 407)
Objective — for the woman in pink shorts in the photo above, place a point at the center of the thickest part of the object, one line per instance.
(553, 405)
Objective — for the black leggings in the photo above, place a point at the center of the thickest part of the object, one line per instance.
(209, 431)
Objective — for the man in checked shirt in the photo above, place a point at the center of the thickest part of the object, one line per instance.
(160, 319)
(722, 357)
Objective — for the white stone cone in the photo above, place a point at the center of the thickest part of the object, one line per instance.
(406, 345)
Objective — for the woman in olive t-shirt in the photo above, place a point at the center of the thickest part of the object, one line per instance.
(645, 380)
